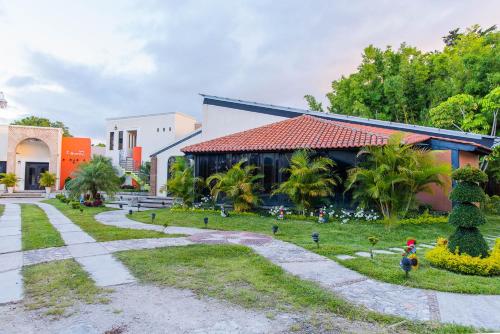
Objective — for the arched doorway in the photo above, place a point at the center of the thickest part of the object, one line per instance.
(32, 159)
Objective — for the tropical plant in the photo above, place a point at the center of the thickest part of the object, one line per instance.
(43, 122)
(466, 216)
(9, 179)
(94, 176)
(391, 175)
(309, 179)
(47, 179)
(182, 183)
(239, 184)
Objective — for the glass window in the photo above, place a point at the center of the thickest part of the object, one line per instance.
(268, 171)
(120, 140)
(111, 141)
(3, 166)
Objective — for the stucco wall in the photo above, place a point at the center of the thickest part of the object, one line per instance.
(439, 196)
(50, 136)
(4, 139)
(468, 158)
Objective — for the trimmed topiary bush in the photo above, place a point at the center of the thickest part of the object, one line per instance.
(465, 215)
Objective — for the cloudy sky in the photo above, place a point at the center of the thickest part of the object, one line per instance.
(82, 61)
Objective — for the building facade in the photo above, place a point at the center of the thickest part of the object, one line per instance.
(28, 151)
(230, 127)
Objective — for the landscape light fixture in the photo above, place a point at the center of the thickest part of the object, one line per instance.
(138, 207)
(130, 211)
(205, 220)
(275, 229)
(120, 205)
(315, 238)
(153, 216)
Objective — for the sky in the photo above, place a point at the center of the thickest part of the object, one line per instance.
(80, 62)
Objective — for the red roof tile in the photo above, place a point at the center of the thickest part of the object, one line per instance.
(302, 132)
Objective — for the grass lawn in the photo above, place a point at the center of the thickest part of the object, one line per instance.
(1, 209)
(37, 232)
(236, 274)
(336, 238)
(55, 286)
(99, 231)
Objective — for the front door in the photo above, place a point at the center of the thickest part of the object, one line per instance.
(32, 174)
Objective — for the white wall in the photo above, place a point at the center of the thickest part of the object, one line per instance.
(4, 139)
(217, 122)
(153, 132)
(222, 121)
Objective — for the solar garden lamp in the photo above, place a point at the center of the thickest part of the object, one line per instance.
(373, 241)
(120, 206)
(275, 229)
(205, 220)
(315, 238)
(138, 207)
(130, 211)
(162, 203)
(153, 217)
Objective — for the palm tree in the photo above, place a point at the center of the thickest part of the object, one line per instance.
(392, 175)
(94, 176)
(309, 179)
(239, 184)
(182, 182)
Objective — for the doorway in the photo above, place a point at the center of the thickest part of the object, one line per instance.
(32, 174)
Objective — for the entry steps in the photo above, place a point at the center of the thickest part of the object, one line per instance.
(24, 194)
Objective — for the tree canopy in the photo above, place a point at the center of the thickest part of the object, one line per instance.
(43, 122)
(406, 84)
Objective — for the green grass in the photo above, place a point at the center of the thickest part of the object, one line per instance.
(336, 238)
(56, 286)
(99, 231)
(2, 207)
(37, 232)
(236, 274)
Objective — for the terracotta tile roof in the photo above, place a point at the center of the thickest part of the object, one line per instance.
(302, 132)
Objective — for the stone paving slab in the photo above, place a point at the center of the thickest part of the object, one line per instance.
(119, 218)
(345, 257)
(396, 249)
(321, 272)
(37, 256)
(9, 231)
(425, 246)
(362, 254)
(475, 310)
(11, 283)
(71, 238)
(381, 251)
(88, 249)
(11, 261)
(11, 243)
(105, 270)
(280, 252)
(68, 228)
(123, 245)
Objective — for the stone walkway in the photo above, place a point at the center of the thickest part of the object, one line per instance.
(11, 259)
(412, 303)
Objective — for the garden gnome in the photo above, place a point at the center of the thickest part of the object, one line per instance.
(223, 212)
(281, 214)
(322, 216)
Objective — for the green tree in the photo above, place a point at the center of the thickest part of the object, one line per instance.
(309, 179)
(490, 105)
(182, 183)
(239, 184)
(391, 175)
(97, 175)
(466, 216)
(43, 122)
(313, 104)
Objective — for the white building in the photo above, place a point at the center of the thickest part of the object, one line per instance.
(132, 139)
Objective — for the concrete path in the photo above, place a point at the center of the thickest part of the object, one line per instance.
(11, 261)
(411, 303)
(104, 269)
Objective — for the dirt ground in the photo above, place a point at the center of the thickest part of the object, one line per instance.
(138, 308)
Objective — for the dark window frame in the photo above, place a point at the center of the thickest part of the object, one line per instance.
(111, 140)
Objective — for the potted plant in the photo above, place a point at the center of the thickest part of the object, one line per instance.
(9, 180)
(47, 180)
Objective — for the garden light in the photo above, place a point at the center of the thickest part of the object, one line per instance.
(275, 228)
(315, 238)
(205, 220)
(138, 207)
(153, 216)
(130, 211)
(120, 206)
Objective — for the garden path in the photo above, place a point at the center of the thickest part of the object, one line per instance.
(11, 279)
(417, 304)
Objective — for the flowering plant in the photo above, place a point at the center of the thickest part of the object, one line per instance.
(359, 214)
(279, 212)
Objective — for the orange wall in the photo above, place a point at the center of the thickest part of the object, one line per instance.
(74, 151)
(439, 197)
(468, 158)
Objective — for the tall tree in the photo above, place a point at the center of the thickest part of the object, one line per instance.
(43, 122)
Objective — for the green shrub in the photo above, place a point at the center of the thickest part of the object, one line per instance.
(467, 192)
(492, 204)
(75, 205)
(441, 257)
(469, 174)
(468, 240)
(424, 219)
(466, 215)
